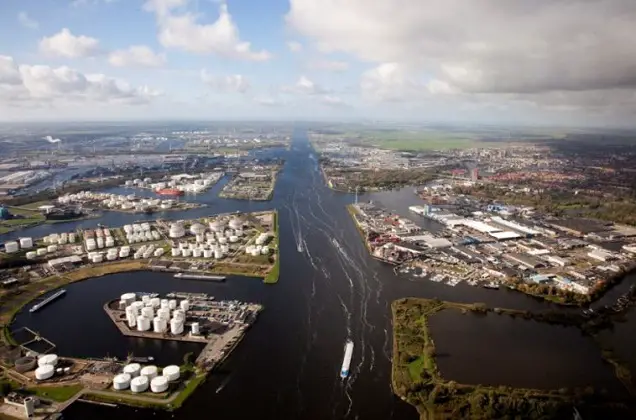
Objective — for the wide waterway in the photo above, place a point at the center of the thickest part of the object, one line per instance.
(288, 366)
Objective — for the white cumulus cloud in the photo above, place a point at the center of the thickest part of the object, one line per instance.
(234, 83)
(294, 46)
(26, 21)
(136, 56)
(305, 86)
(65, 44)
(183, 31)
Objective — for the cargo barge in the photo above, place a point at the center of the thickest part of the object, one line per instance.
(193, 276)
(346, 362)
(48, 300)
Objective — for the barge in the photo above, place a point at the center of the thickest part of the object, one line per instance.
(48, 300)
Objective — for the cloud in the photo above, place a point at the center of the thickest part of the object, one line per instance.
(304, 86)
(333, 101)
(182, 31)
(40, 84)
(51, 139)
(65, 44)
(136, 56)
(329, 65)
(269, 101)
(294, 46)
(234, 83)
(26, 21)
(533, 49)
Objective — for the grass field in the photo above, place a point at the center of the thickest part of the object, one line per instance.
(418, 140)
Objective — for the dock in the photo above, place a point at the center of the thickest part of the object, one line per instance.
(194, 276)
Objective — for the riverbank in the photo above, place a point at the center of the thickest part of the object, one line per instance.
(417, 379)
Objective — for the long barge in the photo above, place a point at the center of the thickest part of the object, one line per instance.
(346, 362)
(48, 300)
(193, 276)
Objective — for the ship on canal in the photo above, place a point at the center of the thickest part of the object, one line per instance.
(344, 371)
(48, 300)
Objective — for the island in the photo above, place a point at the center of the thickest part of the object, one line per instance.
(252, 183)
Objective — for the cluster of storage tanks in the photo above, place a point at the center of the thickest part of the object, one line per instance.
(139, 379)
(217, 229)
(147, 251)
(213, 250)
(60, 239)
(12, 247)
(156, 314)
(115, 201)
(140, 232)
(98, 239)
(111, 255)
(47, 367)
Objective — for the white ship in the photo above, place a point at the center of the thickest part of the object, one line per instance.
(344, 372)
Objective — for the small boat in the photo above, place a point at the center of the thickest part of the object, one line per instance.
(346, 361)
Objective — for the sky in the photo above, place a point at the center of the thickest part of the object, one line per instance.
(544, 62)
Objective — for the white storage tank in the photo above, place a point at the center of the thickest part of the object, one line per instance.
(216, 226)
(164, 314)
(48, 359)
(197, 253)
(31, 255)
(236, 223)
(51, 248)
(159, 325)
(148, 312)
(132, 369)
(97, 258)
(172, 372)
(11, 247)
(195, 328)
(44, 372)
(139, 384)
(143, 323)
(186, 252)
(26, 243)
(176, 231)
(149, 371)
(156, 302)
(41, 252)
(129, 298)
(234, 238)
(111, 257)
(165, 303)
(197, 229)
(222, 240)
(158, 252)
(137, 306)
(110, 242)
(179, 315)
(71, 238)
(184, 305)
(132, 320)
(176, 327)
(172, 304)
(121, 381)
(145, 299)
(175, 252)
(207, 253)
(100, 242)
(265, 250)
(159, 384)
(218, 254)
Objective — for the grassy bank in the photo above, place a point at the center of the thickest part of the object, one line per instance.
(417, 380)
(56, 393)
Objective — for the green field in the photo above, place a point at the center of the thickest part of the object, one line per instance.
(418, 140)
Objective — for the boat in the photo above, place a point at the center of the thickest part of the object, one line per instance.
(46, 301)
(346, 361)
(172, 192)
(300, 248)
(491, 285)
(199, 277)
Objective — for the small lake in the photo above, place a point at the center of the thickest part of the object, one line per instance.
(497, 349)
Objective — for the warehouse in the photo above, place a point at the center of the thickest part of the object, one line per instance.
(524, 260)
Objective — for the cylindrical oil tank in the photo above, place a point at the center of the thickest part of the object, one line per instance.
(218, 254)
(175, 252)
(223, 240)
(149, 371)
(195, 328)
(121, 381)
(159, 325)
(132, 369)
(44, 372)
(41, 252)
(137, 306)
(143, 323)
(207, 253)
(158, 252)
(145, 299)
(184, 305)
(26, 243)
(71, 238)
(51, 248)
(216, 226)
(164, 313)
(176, 326)
(171, 372)
(132, 320)
(11, 247)
(148, 312)
(100, 242)
(156, 302)
(159, 384)
(139, 384)
(265, 250)
(25, 364)
(31, 255)
(97, 258)
(234, 238)
(48, 359)
(111, 257)
(179, 315)
(197, 253)
(186, 252)
(172, 304)
(110, 242)
(165, 303)
(29, 407)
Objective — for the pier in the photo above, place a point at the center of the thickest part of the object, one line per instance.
(48, 300)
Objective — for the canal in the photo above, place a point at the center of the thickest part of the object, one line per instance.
(288, 366)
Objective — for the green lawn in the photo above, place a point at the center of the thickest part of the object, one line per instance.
(56, 393)
(188, 390)
(415, 369)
